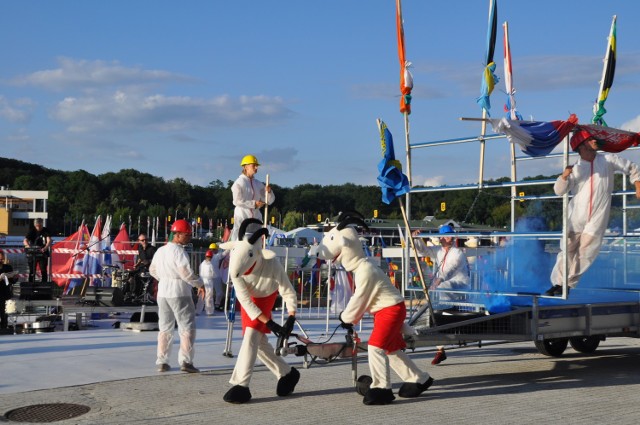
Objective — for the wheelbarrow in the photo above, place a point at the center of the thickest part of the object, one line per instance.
(324, 352)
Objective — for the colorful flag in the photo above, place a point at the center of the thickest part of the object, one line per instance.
(510, 106)
(122, 243)
(489, 78)
(78, 267)
(607, 77)
(406, 79)
(64, 255)
(92, 266)
(611, 139)
(226, 234)
(536, 138)
(391, 179)
(105, 247)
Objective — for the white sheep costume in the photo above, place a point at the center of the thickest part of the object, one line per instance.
(375, 294)
(257, 277)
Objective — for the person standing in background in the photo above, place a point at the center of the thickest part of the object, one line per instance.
(249, 194)
(171, 267)
(39, 239)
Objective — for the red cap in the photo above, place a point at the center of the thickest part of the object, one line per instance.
(578, 138)
(209, 253)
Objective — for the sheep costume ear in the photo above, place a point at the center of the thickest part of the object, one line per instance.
(351, 217)
(251, 231)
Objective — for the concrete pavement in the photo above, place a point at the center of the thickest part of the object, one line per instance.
(499, 384)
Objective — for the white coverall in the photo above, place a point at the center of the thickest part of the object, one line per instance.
(591, 183)
(170, 267)
(245, 193)
(206, 273)
(452, 267)
(262, 282)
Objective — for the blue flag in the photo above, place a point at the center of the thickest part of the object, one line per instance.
(391, 179)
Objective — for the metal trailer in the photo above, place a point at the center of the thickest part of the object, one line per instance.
(550, 325)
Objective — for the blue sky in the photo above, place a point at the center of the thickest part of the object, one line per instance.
(185, 89)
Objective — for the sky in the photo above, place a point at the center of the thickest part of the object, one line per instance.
(186, 89)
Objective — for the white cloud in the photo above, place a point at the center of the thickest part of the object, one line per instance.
(74, 73)
(133, 111)
(632, 125)
(433, 181)
(17, 111)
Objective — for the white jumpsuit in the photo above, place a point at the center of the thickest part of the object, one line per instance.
(170, 266)
(452, 267)
(591, 183)
(245, 193)
(206, 273)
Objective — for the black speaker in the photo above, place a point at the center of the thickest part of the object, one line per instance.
(149, 317)
(33, 291)
(110, 297)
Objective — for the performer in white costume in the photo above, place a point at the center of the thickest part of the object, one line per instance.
(590, 180)
(375, 294)
(258, 277)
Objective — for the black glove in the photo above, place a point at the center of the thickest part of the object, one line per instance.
(347, 326)
(274, 327)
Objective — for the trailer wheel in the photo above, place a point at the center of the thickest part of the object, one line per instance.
(552, 347)
(585, 344)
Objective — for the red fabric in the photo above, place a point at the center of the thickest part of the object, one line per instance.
(609, 139)
(387, 326)
(266, 305)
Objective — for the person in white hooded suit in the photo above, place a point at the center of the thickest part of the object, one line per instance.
(590, 180)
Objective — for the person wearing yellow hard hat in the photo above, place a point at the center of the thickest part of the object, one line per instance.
(249, 194)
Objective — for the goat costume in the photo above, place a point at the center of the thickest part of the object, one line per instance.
(375, 294)
(257, 277)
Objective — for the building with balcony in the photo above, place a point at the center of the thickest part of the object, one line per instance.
(18, 209)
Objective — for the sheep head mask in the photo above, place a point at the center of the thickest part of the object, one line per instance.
(247, 254)
(342, 244)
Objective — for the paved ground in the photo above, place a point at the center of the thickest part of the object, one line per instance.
(498, 384)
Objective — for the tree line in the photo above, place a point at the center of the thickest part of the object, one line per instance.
(130, 195)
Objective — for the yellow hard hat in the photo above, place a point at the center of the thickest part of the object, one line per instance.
(213, 246)
(249, 159)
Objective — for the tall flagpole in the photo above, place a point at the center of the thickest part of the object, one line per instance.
(488, 81)
(406, 85)
(508, 83)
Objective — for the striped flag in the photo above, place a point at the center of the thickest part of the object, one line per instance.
(489, 78)
(406, 79)
(608, 73)
(536, 138)
(510, 106)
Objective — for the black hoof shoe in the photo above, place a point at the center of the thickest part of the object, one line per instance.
(237, 395)
(414, 389)
(378, 396)
(288, 383)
